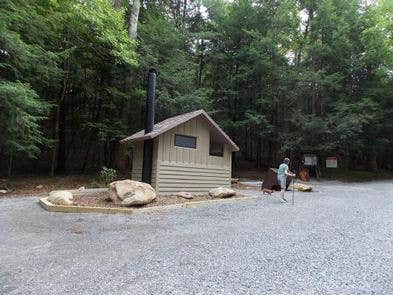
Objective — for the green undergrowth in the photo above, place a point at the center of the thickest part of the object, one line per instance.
(357, 175)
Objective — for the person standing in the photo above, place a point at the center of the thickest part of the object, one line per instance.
(282, 173)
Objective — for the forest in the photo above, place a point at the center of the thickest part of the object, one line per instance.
(281, 77)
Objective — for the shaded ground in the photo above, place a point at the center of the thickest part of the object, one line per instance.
(336, 240)
(250, 173)
(27, 185)
(357, 175)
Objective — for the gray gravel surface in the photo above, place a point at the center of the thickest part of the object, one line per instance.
(337, 240)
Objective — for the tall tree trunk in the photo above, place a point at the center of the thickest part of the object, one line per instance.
(10, 165)
(133, 20)
(372, 160)
(200, 70)
(86, 155)
(184, 11)
(61, 147)
(105, 153)
(259, 152)
(117, 4)
(58, 115)
(302, 42)
(70, 143)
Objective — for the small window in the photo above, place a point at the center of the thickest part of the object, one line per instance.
(185, 141)
(216, 148)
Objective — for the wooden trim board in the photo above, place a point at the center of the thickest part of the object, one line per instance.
(87, 209)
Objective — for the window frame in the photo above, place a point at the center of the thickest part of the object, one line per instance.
(217, 143)
(186, 136)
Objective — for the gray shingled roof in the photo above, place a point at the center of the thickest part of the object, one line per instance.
(172, 122)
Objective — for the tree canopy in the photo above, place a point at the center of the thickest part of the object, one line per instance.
(281, 77)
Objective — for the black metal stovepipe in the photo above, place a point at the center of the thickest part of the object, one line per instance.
(149, 126)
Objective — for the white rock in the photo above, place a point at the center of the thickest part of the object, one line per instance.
(3, 191)
(82, 188)
(221, 192)
(185, 195)
(39, 186)
(60, 197)
(130, 192)
(303, 187)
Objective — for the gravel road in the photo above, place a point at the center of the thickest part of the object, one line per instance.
(337, 240)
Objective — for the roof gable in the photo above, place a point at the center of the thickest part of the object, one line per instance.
(172, 122)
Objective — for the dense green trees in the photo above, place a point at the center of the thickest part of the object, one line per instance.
(68, 54)
(281, 77)
(321, 87)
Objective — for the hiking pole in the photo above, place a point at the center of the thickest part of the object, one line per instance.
(293, 190)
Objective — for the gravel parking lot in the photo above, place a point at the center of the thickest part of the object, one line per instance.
(336, 240)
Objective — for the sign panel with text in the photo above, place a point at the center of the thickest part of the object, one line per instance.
(331, 162)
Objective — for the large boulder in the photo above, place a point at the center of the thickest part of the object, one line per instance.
(130, 192)
(221, 192)
(60, 197)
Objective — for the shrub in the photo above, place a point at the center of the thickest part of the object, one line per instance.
(107, 175)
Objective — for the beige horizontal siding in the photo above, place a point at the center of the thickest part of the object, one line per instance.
(136, 173)
(175, 177)
(197, 127)
(173, 166)
(189, 176)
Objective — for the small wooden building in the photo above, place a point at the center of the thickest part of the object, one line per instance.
(190, 153)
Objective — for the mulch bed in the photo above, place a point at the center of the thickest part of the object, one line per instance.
(41, 185)
(102, 200)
